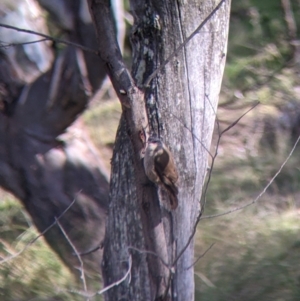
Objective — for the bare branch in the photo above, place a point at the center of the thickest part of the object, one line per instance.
(38, 236)
(50, 38)
(77, 254)
(183, 44)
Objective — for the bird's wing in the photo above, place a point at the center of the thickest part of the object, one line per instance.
(161, 163)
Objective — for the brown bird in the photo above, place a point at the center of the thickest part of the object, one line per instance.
(160, 168)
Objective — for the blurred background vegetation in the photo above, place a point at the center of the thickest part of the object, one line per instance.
(256, 251)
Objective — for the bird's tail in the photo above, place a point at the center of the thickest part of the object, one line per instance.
(173, 201)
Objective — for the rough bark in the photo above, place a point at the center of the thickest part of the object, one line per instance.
(179, 104)
(41, 163)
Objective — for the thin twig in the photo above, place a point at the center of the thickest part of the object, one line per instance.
(203, 201)
(3, 45)
(201, 256)
(84, 294)
(120, 281)
(262, 192)
(92, 250)
(38, 236)
(82, 277)
(183, 44)
(50, 38)
(236, 121)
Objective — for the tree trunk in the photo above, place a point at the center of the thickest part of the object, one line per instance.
(41, 164)
(179, 105)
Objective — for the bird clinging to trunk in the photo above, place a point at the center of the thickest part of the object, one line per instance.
(160, 168)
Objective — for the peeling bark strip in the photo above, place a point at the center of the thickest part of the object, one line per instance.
(186, 88)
